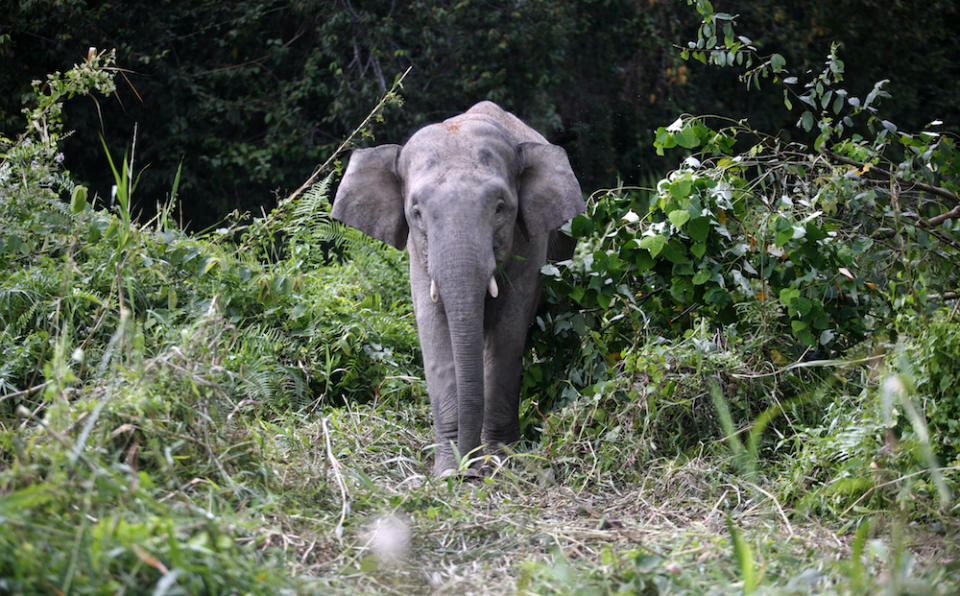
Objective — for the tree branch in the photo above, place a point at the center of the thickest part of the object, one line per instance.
(934, 190)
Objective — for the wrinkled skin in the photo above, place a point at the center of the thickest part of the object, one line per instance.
(476, 200)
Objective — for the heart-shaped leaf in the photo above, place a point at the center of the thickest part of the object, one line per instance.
(679, 217)
(653, 243)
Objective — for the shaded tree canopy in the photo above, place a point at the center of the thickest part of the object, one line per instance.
(251, 95)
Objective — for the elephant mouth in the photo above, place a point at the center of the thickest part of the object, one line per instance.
(492, 288)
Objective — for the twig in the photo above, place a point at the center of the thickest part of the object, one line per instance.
(934, 190)
(809, 364)
(895, 481)
(776, 504)
(939, 219)
(336, 153)
(348, 140)
(335, 466)
(27, 391)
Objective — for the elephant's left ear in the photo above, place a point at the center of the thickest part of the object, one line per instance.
(369, 198)
(549, 193)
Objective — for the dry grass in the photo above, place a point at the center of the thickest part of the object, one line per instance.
(508, 531)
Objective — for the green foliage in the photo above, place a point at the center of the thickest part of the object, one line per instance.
(248, 96)
(874, 567)
(935, 354)
(802, 240)
(133, 357)
(742, 304)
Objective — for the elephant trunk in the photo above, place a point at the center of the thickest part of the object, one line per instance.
(463, 280)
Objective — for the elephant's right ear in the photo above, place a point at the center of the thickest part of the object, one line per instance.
(548, 190)
(369, 197)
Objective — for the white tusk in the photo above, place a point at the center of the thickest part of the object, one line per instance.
(434, 294)
(492, 288)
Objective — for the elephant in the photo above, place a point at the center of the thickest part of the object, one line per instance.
(477, 200)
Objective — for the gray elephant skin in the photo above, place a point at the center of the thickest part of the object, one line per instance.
(477, 200)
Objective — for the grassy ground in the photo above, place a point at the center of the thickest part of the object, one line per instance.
(346, 509)
(526, 529)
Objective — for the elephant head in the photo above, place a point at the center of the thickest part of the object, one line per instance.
(473, 198)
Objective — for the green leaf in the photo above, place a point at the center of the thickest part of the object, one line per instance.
(699, 228)
(744, 558)
(783, 230)
(664, 140)
(25, 499)
(78, 199)
(717, 296)
(801, 305)
(798, 326)
(687, 138)
(653, 243)
(604, 300)
(210, 264)
(675, 251)
(837, 104)
(806, 121)
(680, 188)
(581, 226)
(679, 217)
(701, 277)
(643, 261)
(577, 293)
(681, 289)
(698, 250)
(777, 62)
(787, 295)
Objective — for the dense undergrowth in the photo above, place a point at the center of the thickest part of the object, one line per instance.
(744, 379)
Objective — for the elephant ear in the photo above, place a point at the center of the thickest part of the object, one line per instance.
(549, 193)
(369, 196)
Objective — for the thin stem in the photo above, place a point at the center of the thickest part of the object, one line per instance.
(281, 206)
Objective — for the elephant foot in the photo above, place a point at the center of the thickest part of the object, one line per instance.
(499, 448)
(445, 465)
(469, 473)
(500, 445)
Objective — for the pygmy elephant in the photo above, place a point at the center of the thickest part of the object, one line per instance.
(477, 200)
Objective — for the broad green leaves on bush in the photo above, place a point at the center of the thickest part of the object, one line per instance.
(778, 249)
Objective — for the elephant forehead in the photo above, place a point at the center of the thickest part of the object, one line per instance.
(458, 184)
(460, 145)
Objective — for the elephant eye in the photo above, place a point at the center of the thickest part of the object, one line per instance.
(415, 212)
(500, 207)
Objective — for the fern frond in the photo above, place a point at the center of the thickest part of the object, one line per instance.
(310, 221)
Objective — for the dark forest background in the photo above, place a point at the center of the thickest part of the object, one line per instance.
(251, 95)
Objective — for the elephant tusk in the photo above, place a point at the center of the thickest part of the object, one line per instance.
(492, 288)
(434, 294)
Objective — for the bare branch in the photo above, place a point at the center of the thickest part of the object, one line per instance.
(934, 190)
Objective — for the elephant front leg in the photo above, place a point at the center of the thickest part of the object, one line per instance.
(440, 373)
(501, 400)
(510, 317)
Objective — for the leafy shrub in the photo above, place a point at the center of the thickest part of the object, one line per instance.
(934, 360)
(656, 402)
(761, 236)
(144, 368)
(756, 295)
